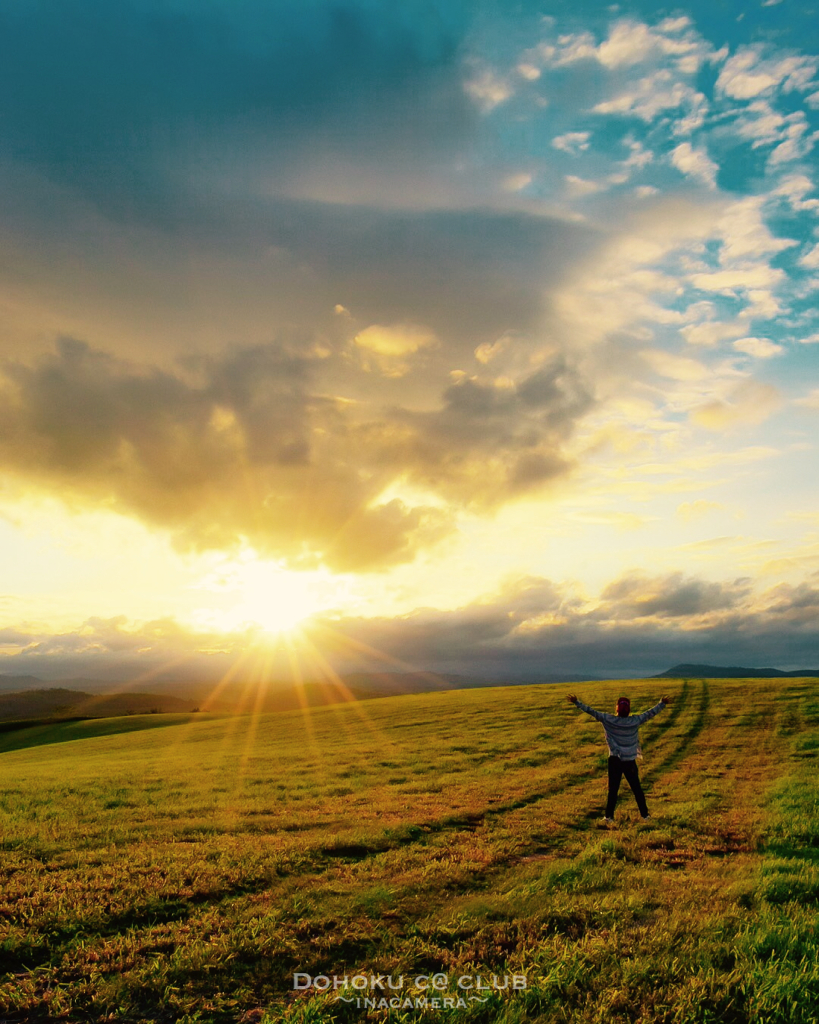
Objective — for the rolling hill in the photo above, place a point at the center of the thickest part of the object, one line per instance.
(62, 703)
(733, 672)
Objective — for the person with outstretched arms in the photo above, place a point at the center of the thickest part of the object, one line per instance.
(623, 739)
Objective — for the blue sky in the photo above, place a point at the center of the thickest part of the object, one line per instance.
(481, 334)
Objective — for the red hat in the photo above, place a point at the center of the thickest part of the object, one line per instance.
(623, 707)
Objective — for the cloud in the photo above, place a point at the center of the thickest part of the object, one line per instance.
(517, 182)
(530, 628)
(654, 95)
(675, 367)
(794, 188)
(155, 100)
(581, 186)
(639, 157)
(621, 291)
(745, 234)
(488, 90)
(390, 348)
(760, 348)
(237, 449)
(695, 163)
(630, 43)
(710, 332)
(796, 142)
(244, 448)
(747, 404)
(14, 638)
(809, 401)
(637, 597)
(528, 71)
(690, 511)
(573, 143)
(743, 266)
(748, 73)
(758, 276)
(491, 441)
(810, 259)
(765, 126)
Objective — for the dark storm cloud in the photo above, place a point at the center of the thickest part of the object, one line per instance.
(108, 97)
(797, 605)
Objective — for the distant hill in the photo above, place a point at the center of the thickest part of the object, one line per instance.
(732, 672)
(62, 703)
(11, 684)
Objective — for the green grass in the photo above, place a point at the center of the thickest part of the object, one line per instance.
(185, 873)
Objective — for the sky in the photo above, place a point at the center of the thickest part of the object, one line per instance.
(469, 337)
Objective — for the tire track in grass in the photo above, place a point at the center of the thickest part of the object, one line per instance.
(685, 739)
(670, 744)
(723, 781)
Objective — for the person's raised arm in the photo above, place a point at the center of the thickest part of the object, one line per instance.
(664, 701)
(572, 699)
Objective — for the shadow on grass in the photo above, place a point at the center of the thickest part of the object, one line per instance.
(22, 735)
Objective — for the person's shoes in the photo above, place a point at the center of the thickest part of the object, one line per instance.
(646, 817)
(608, 821)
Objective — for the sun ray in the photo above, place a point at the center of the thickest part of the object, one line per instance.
(304, 704)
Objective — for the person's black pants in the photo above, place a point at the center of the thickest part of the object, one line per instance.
(617, 769)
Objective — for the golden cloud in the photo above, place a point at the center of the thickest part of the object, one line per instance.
(242, 449)
(390, 348)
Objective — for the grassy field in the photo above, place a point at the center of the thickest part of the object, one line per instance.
(187, 872)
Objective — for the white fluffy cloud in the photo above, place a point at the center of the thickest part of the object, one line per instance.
(760, 348)
(488, 90)
(572, 142)
(656, 94)
(630, 43)
(390, 348)
(747, 403)
(749, 73)
(695, 163)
